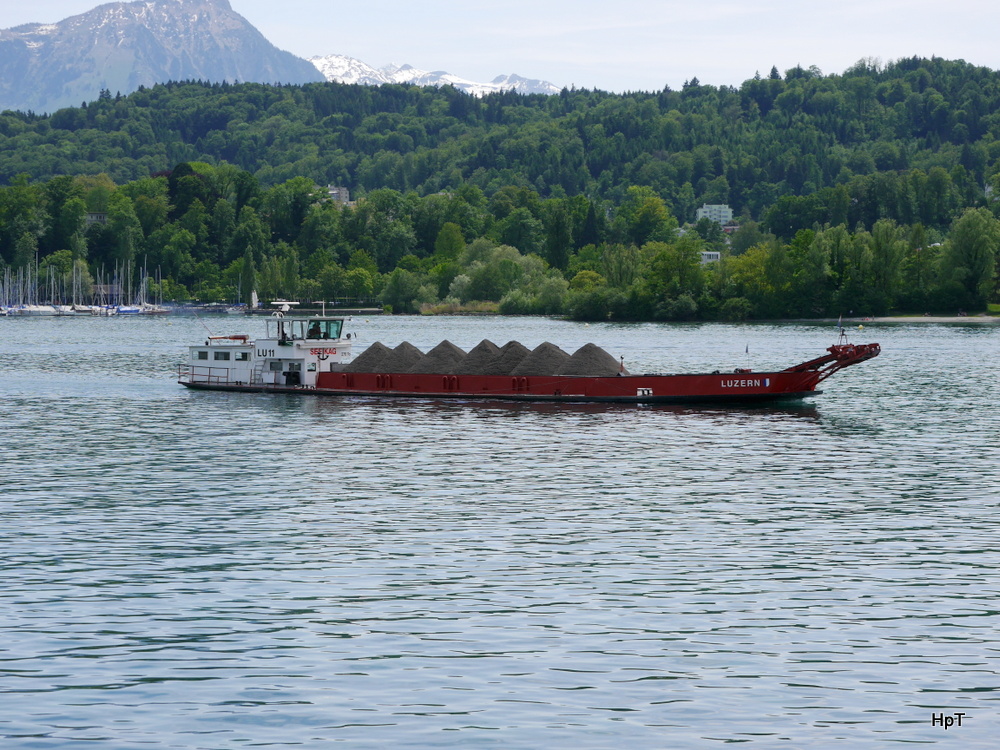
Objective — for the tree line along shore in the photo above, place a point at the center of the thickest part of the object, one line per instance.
(864, 193)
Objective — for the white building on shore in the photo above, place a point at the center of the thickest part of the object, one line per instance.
(717, 212)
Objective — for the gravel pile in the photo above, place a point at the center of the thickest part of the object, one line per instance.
(479, 359)
(545, 359)
(510, 356)
(402, 359)
(442, 359)
(371, 359)
(486, 358)
(590, 360)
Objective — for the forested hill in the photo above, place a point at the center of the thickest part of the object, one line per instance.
(868, 191)
(913, 140)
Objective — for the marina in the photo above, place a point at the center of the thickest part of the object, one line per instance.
(25, 294)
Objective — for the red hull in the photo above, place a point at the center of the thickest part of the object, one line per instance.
(627, 388)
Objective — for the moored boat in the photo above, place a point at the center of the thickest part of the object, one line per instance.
(34, 310)
(313, 355)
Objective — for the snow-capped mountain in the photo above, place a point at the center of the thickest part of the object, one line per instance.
(120, 46)
(344, 69)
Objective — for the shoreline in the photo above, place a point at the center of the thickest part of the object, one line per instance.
(980, 319)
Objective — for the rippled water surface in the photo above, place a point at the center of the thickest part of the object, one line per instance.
(207, 570)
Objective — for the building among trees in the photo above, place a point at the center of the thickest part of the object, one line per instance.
(719, 213)
(339, 194)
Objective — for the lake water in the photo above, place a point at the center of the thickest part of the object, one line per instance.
(208, 570)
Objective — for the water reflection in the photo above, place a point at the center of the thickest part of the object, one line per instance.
(863, 427)
(312, 404)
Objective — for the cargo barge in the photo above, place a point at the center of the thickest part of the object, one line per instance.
(312, 355)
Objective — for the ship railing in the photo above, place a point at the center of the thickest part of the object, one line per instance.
(838, 357)
(199, 374)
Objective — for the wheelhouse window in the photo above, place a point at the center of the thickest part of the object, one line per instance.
(221, 356)
(325, 329)
(201, 354)
(242, 356)
(286, 330)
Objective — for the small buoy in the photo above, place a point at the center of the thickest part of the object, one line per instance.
(861, 328)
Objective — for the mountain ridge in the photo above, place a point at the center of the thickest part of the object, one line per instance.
(345, 69)
(120, 46)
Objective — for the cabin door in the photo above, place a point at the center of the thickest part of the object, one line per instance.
(292, 372)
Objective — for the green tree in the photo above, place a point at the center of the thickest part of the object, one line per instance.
(67, 212)
(363, 260)
(78, 246)
(402, 291)
(381, 225)
(520, 229)
(857, 293)
(246, 190)
(221, 227)
(969, 257)
(61, 262)
(644, 217)
(185, 186)
(888, 250)
(591, 229)
(320, 228)
(196, 221)
(25, 250)
(331, 281)
(177, 260)
(558, 235)
(919, 270)
(587, 281)
(125, 228)
(762, 276)
(748, 235)
(97, 189)
(22, 213)
(250, 235)
(675, 269)
(621, 264)
(287, 205)
(711, 232)
(811, 276)
(358, 283)
(150, 201)
(449, 243)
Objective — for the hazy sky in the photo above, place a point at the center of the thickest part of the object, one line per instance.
(617, 45)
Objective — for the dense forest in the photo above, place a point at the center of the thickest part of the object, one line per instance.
(869, 191)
